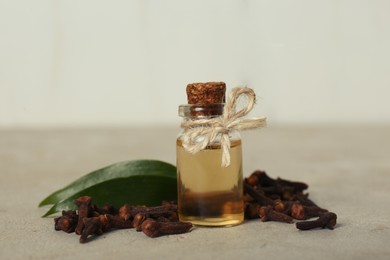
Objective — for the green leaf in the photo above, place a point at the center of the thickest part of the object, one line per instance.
(147, 190)
(118, 170)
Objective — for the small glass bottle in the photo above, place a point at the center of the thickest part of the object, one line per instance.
(209, 194)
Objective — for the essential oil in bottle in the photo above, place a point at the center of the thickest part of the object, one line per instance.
(208, 193)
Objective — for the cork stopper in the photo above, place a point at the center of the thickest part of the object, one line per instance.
(204, 100)
(206, 93)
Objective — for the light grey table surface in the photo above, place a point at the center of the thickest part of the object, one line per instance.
(347, 169)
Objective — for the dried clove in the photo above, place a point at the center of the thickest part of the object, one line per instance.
(105, 209)
(326, 220)
(125, 212)
(156, 214)
(257, 196)
(171, 204)
(297, 186)
(67, 222)
(263, 179)
(84, 211)
(299, 211)
(117, 222)
(94, 226)
(287, 207)
(152, 228)
(252, 180)
(268, 214)
(279, 206)
(139, 218)
(154, 211)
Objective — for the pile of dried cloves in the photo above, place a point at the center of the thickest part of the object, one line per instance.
(282, 200)
(265, 198)
(91, 220)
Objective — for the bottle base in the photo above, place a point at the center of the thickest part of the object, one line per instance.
(223, 221)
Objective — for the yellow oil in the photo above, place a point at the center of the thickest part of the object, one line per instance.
(209, 194)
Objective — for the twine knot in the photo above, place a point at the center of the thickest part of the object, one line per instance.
(200, 133)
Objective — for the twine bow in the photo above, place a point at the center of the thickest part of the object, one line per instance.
(198, 134)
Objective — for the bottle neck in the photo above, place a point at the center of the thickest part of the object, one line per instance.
(195, 112)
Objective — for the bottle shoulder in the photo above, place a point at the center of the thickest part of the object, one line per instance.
(234, 136)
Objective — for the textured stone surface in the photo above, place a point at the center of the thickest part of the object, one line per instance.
(347, 169)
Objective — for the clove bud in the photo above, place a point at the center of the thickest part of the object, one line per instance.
(326, 220)
(152, 228)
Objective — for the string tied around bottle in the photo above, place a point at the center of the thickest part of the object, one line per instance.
(200, 133)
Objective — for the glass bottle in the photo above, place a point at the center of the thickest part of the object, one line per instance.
(209, 194)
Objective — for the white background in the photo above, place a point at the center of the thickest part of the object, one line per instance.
(124, 63)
